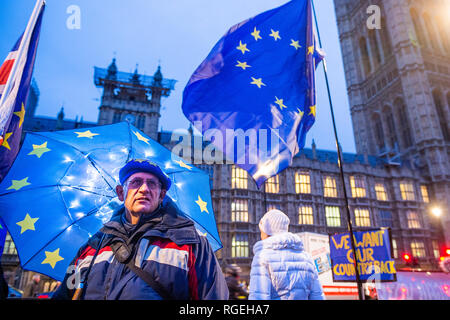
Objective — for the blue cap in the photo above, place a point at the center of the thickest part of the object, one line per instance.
(144, 165)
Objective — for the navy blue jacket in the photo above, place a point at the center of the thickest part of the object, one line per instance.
(165, 245)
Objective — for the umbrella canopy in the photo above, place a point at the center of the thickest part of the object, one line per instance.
(61, 190)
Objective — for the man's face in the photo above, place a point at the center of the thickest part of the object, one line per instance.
(141, 193)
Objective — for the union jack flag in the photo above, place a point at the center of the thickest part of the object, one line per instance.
(15, 78)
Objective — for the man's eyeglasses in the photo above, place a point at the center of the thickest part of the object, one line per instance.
(136, 183)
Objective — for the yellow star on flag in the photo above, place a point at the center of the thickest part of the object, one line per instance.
(279, 102)
(310, 50)
(19, 184)
(5, 142)
(52, 258)
(255, 34)
(242, 65)
(300, 113)
(295, 44)
(242, 47)
(257, 82)
(275, 34)
(39, 150)
(27, 223)
(141, 137)
(21, 115)
(312, 111)
(86, 134)
(183, 165)
(202, 204)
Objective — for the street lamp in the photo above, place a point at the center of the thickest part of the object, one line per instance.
(436, 211)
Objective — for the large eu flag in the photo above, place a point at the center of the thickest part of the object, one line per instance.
(254, 95)
(15, 78)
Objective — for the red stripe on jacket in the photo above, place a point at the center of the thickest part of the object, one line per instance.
(192, 273)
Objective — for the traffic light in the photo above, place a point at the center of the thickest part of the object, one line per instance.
(410, 260)
(407, 258)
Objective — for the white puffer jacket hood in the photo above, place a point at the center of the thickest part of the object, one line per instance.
(281, 269)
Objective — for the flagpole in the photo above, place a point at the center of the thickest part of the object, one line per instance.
(340, 165)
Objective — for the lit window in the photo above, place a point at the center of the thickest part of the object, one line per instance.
(436, 252)
(394, 248)
(358, 187)
(9, 247)
(117, 117)
(305, 215)
(413, 220)
(418, 249)
(407, 191)
(238, 178)
(141, 122)
(386, 219)
(380, 191)
(362, 217)
(424, 191)
(239, 210)
(302, 182)
(272, 185)
(329, 187)
(239, 246)
(333, 216)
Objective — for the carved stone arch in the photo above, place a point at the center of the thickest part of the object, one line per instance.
(365, 57)
(441, 111)
(391, 130)
(431, 31)
(385, 39)
(418, 27)
(378, 130)
(404, 122)
(374, 48)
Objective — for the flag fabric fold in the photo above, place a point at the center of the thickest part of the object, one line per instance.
(15, 79)
(254, 94)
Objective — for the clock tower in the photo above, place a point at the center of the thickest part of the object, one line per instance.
(132, 97)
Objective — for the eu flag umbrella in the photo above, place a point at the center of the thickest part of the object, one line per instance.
(61, 189)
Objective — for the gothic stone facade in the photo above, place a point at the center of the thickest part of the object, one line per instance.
(398, 83)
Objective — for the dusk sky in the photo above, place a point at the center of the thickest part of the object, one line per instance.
(177, 33)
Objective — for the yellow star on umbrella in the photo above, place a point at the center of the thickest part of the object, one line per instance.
(183, 165)
(21, 115)
(295, 44)
(275, 34)
(257, 82)
(202, 204)
(86, 134)
(310, 50)
(242, 65)
(5, 142)
(312, 111)
(300, 113)
(27, 223)
(52, 258)
(280, 103)
(19, 184)
(39, 150)
(141, 137)
(255, 34)
(242, 47)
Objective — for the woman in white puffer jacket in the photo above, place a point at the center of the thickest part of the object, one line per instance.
(281, 269)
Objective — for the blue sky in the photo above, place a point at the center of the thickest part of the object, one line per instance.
(178, 33)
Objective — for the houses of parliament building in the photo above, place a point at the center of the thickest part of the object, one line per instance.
(398, 83)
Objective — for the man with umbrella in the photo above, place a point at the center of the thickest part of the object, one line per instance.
(148, 250)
